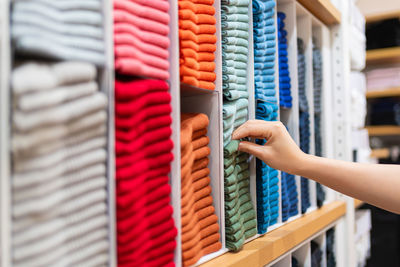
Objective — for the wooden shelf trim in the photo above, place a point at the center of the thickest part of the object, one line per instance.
(383, 130)
(391, 92)
(382, 153)
(384, 55)
(324, 10)
(271, 246)
(382, 16)
(357, 203)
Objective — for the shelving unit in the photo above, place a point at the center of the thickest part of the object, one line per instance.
(381, 153)
(382, 16)
(324, 10)
(358, 203)
(391, 92)
(265, 250)
(384, 55)
(383, 130)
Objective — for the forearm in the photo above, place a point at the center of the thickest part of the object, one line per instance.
(376, 184)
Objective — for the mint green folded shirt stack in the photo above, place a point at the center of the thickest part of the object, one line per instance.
(240, 215)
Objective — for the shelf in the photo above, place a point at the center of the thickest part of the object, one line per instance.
(358, 203)
(324, 10)
(391, 92)
(384, 55)
(276, 243)
(383, 130)
(382, 16)
(382, 153)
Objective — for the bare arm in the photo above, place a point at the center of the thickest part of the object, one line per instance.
(376, 184)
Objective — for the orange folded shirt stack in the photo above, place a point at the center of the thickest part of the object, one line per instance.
(200, 228)
(197, 41)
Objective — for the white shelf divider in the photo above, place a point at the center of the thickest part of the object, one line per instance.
(285, 261)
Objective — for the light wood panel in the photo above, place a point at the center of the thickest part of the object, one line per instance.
(358, 203)
(383, 130)
(390, 92)
(324, 10)
(382, 16)
(384, 55)
(381, 153)
(276, 243)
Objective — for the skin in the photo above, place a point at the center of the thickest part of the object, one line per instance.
(376, 184)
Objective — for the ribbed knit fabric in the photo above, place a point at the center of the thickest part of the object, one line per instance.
(285, 98)
(71, 31)
(289, 196)
(264, 32)
(141, 38)
(59, 210)
(143, 157)
(197, 41)
(304, 121)
(330, 248)
(200, 228)
(317, 82)
(316, 254)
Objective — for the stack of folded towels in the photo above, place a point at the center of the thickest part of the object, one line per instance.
(240, 216)
(289, 196)
(197, 41)
(59, 180)
(141, 38)
(304, 121)
(267, 178)
(285, 98)
(200, 228)
(145, 228)
(68, 30)
(264, 50)
(317, 83)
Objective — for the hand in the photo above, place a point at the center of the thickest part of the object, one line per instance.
(280, 151)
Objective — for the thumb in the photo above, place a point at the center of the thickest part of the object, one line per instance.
(251, 148)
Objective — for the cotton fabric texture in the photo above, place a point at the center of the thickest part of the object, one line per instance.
(143, 147)
(59, 179)
(200, 228)
(141, 38)
(63, 31)
(285, 98)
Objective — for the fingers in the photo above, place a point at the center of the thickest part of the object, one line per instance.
(251, 148)
(256, 129)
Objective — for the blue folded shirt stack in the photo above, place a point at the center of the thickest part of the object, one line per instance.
(304, 121)
(289, 196)
(267, 178)
(285, 98)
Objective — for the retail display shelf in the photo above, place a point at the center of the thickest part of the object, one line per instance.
(382, 16)
(324, 10)
(358, 203)
(276, 243)
(381, 153)
(384, 55)
(383, 130)
(390, 92)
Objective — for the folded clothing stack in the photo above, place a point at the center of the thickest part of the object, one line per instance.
(289, 196)
(200, 228)
(267, 178)
(330, 248)
(235, 48)
(317, 84)
(197, 42)
(143, 147)
(385, 111)
(240, 216)
(304, 120)
(264, 50)
(383, 78)
(285, 98)
(69, 30)
(141, 38)
(59, 180)
(316, 254)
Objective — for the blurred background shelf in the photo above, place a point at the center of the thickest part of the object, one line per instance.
(358, 203)
(324, 10)
(383, 130)
(382, 16)
(384, 55)
(391, 92)
(380, 153)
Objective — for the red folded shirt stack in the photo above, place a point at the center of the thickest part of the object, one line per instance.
(141, 37)
(197, 42)
(200, 229)
(145, 228)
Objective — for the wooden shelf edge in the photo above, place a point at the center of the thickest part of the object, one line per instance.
(271, 246)
(384, 130)
(358, 203)
(382, 153)
(384, 55)
(390, 92)
(382, 16)
(324, 10)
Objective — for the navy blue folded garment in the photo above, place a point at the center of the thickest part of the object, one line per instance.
(316, 254)
(330, 248)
